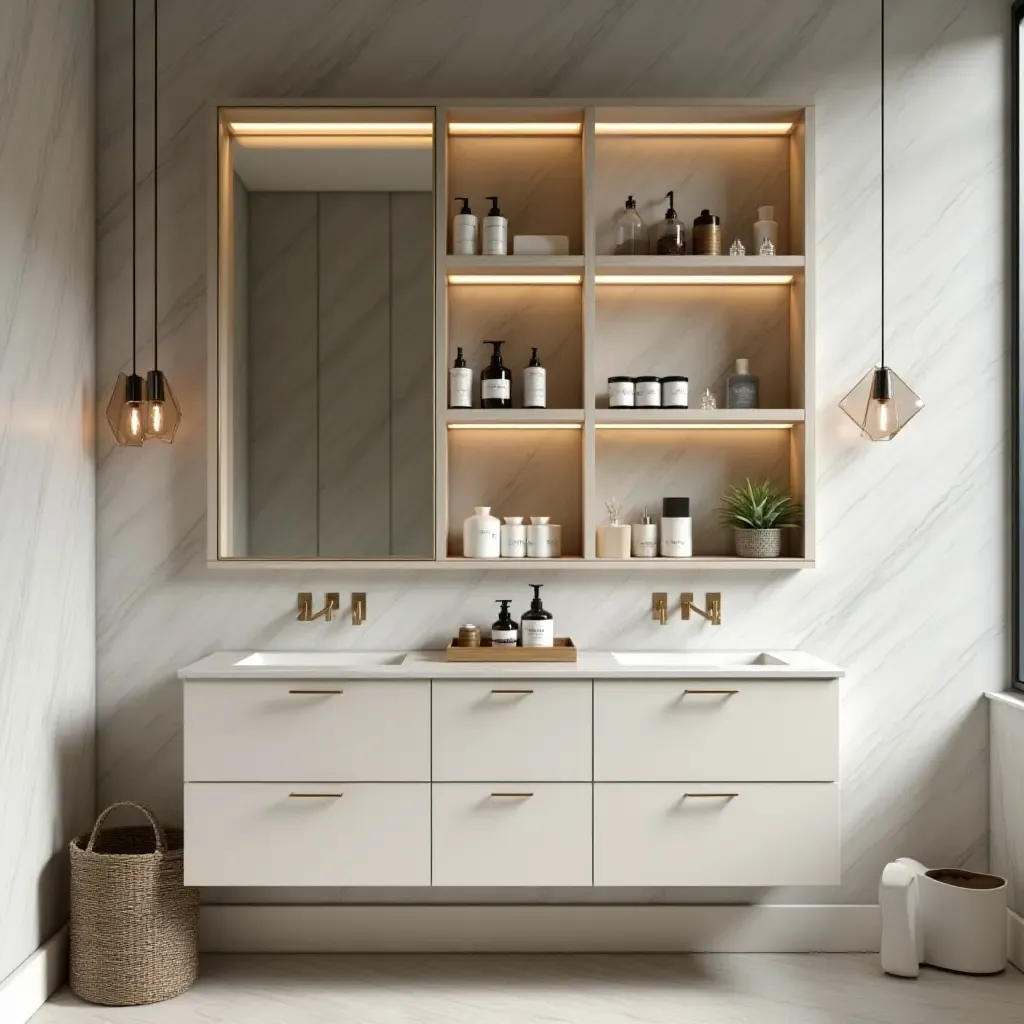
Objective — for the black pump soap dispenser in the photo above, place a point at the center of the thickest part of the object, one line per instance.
(504, 632)
(538, 625)
(495, 231)
(496, 381)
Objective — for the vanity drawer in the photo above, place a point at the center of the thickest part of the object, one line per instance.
(350, 731)
(686, 730)
(512, 834)
(723, 834)
(263, 834)
(500, 730)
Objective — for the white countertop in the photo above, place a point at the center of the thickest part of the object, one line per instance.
(432, 665)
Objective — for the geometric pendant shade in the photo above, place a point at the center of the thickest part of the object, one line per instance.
(162, 412)
(881, 404)
(126, 411)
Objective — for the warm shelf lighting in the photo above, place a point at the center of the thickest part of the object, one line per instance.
(331, 128)
(515, 426)
(742, 279)
(693, 127)
(515, 128)
(695, 425)
(514, 278)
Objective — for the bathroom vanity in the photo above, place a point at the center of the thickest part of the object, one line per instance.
(639, 769)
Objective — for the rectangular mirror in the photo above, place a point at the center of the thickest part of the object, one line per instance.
(325, 333)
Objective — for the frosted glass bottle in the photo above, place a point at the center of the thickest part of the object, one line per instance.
(630, 232)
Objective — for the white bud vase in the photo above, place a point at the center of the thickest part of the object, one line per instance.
(481, 534)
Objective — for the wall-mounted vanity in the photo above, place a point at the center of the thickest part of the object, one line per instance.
(360, 769)
(339, 311)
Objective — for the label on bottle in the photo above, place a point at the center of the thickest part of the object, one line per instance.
(538, 632)
(534, 387)
(675, 394)
(676, 537)
(648, 394)
(495, 241)
(504, 637)
(742, 392)
(496, 389)
(460, 388)
(621, 394)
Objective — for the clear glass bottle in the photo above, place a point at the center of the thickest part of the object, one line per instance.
(630, 232)
(670, 234)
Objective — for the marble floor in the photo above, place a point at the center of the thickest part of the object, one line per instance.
(583, 989)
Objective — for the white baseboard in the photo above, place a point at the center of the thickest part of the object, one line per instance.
(538, 929)
(1015, 939)
(28, 986)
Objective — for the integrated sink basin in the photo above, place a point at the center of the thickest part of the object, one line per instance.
(320, 659)
(695, 659)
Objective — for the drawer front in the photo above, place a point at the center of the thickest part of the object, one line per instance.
(500, 731)
(497, 835)
(689, 731)
(259, 834)
(716, 835)
(346, 731)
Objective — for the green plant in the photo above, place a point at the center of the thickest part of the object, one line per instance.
(759, 506)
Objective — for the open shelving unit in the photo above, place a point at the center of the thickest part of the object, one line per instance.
(593, 314)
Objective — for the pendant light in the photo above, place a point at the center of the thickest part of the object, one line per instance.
(882, 403)
(162, 412)
(125, 410)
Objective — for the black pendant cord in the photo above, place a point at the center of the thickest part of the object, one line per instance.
(156, 80)
(134, 259)
(882, 176)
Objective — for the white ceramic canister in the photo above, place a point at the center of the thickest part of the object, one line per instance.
(513, 537)
(543, 539)
(648, 393)
(675, 393)
(676, 528)
(613, 540)
(481, 537)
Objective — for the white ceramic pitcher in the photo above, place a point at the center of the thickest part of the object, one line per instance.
(944, 917)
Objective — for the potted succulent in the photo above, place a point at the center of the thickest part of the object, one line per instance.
(758, 513)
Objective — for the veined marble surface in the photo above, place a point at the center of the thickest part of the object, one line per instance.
(47, 471)
(598, 989)
(1006, 800)
(902, 528)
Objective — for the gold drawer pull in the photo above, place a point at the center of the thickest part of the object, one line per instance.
(512, 691)
(315, 796)
(717, 693)
(316, 693)
(710, 796)
(512, 796)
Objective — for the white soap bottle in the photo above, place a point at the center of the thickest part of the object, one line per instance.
(464, 229)
(495, 231)
(460, 384)
(766, 228)
(535, 389)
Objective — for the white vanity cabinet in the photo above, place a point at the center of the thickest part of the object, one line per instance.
(488, 780)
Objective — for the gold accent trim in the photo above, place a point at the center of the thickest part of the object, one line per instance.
(358, 609)
(659, 608)
(713, 614)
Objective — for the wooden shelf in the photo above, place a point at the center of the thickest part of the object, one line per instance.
(514, 418)
(514, 265)
(699, 266)
(697, 419)
(726, 563)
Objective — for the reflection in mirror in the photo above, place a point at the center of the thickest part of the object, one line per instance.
(328, 405)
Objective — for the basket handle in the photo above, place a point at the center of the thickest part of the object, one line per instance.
(161, 837)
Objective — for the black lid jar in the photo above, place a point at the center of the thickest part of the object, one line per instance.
(648, 392)
(621, 393)
(675, 392)
(707, 234)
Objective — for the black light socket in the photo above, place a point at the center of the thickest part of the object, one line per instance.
(155, 390)
(134, 388)
(881, 386)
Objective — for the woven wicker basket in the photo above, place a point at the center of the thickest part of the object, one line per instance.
(133, 921)
(758, 543)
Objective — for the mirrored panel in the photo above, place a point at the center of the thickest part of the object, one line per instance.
(326, 334)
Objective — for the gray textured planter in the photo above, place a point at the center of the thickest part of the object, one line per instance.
(758, 543)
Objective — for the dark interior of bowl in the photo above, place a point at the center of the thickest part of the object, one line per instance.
(966, 879)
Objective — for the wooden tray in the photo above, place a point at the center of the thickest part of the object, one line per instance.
(564, 651)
